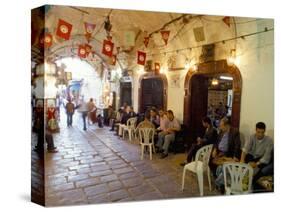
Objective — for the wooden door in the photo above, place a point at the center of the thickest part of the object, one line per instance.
(199, 104)
(126, 93)
(152, 93)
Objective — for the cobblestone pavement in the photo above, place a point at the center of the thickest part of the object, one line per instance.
(95, 166)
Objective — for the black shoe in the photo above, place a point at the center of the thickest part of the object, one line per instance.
(220, 189)
(37, 150)
(164, 155)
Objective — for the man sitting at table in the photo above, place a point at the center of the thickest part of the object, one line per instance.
(227, 149)
(129, 113)
(168, 135)
(228, 145)
(258, 150)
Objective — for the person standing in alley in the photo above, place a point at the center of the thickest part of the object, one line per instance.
(70, 108)
(83, 109)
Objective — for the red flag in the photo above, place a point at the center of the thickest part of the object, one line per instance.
(226, 20)
(89, 29)
(82, 51)
(88, 49)
(107, 48)
(46, 40)
(141, 58)
(157, 67)
(64, 29)
(165, 36)
(146, 41)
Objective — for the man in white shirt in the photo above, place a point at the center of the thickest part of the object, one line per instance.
(167, 136)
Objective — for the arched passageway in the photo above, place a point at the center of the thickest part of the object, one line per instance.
(196, 93)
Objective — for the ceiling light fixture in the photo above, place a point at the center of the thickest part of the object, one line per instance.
(226, 78)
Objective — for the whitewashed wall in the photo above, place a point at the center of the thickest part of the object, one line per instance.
(256, 55)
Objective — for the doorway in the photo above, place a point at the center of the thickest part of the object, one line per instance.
(126, 93)
(215, 85)
(152, 92)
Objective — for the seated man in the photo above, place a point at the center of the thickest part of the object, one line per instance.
(227, 149)
(167, 136)
(146, 123)
(228, 144)
(162, 120)
(129, 113)
(154, 118)
(117, 119)
(110, 115)
(258, 150)
(210, 137)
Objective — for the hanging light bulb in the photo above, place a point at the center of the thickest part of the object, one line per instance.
(215, 82)
(187, 66)
(232, 59)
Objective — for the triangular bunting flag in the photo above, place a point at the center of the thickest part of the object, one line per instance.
(82, 51)
(64, 29)
(141, 58)
(89, 29)
(146, 41)
(226, 20)
(165, 36)
(107, 48)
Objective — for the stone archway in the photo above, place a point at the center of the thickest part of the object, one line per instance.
(215, 67)
(164, 92)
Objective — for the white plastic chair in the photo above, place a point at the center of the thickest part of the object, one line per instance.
(147, 139)
(237, 178)
(130, 127)
(199, 166)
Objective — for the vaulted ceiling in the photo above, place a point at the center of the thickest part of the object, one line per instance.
(140, 23)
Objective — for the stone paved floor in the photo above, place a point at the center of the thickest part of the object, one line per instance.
(95, 166)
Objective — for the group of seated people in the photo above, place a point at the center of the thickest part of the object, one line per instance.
(164, 123)
(257, 150)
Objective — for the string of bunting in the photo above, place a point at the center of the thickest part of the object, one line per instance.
(64, 30)
(221, 41)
